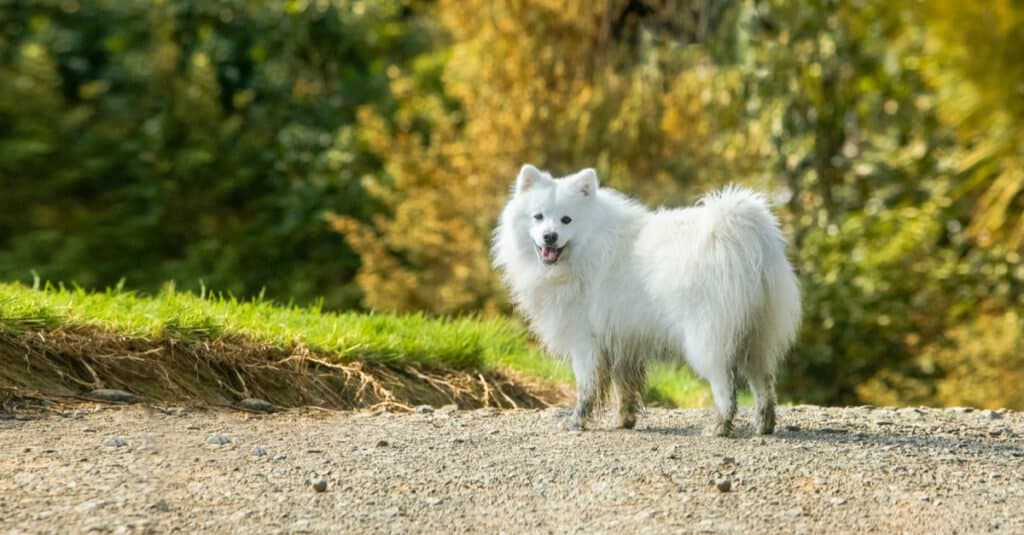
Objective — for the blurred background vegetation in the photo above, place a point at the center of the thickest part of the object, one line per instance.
(358, 152)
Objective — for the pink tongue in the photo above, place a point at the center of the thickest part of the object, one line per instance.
(549, 253)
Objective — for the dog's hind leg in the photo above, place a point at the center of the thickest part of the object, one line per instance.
(762, 385)
(723, 388)
(711, 357)
(758, 369)
(628, 377)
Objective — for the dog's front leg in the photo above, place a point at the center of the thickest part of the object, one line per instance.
(590, 379)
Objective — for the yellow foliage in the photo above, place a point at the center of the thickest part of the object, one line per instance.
(974, 62)
(981, 365)
(537, 81)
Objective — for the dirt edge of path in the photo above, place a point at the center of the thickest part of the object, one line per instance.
(69, 365)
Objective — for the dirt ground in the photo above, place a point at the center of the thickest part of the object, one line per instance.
(134, 469)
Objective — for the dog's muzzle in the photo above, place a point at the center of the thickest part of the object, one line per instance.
(549, 254)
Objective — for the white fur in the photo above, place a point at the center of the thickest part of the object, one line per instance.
(710, 284)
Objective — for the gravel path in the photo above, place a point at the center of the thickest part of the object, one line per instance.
(132, 469)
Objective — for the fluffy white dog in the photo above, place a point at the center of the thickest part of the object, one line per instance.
(611, 285)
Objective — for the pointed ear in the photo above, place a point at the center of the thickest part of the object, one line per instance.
(528, 177)
(586, 182)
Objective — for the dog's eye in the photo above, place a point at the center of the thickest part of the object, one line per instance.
(538, 217)
(566, 220)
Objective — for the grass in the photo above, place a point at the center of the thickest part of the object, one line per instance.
(464, 343)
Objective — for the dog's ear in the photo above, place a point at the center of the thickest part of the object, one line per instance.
(528, 177)
(586, 182)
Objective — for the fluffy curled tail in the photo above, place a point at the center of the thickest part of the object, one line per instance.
(748, 245)
(735, 210)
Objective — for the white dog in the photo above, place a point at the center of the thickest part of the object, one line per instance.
(611, 285)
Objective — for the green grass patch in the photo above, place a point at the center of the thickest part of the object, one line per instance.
(677, 386)
(461, 343)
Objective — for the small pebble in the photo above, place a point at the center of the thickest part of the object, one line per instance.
(724, 485)
(218, 440)
(390, 512)
(257, 451)
(993, 415)
(424, 409)
(837, 501)
(88, 429)
(114, 442)
(728, 460)
(319, 485)
(382, 443)
(160, 506)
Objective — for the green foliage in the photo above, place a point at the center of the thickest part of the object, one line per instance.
(191, 140)
(851, 134)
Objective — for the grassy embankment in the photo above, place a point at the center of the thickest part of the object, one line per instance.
(176, 346)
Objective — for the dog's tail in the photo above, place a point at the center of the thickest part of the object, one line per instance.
(745, 237)
(734, 209)
(738, 223)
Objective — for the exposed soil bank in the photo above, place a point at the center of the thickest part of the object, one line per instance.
(68, 364)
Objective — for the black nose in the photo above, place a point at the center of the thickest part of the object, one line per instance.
(550, 238)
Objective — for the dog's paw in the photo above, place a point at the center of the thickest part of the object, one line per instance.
(571, 422)
(765, 427)
(721, 428)
(765, 423)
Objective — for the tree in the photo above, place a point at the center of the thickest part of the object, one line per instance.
(191, 141)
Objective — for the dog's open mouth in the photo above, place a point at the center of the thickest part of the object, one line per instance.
(549, 254)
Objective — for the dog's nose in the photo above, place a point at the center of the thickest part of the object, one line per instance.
(550, 238)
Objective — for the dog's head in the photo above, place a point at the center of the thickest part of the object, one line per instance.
(553, 212)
